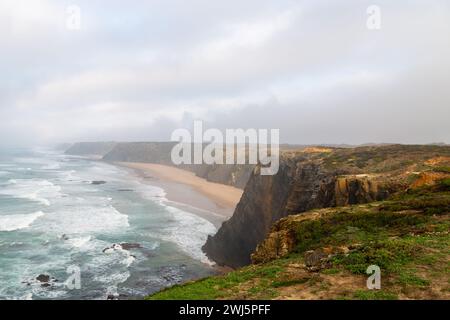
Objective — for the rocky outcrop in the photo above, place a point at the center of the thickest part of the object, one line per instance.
(362, 188)
(308, 181)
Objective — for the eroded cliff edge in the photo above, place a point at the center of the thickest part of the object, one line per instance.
(316, 179)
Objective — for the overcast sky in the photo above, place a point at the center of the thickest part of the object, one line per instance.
(136, 70)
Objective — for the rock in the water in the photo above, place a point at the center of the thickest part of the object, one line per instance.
(43, 278)
(128, 246)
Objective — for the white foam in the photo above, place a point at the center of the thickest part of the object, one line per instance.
(84, 220)
(80, 242)
(129, 258)
(18, 221)
(32, 189)
(189, 232)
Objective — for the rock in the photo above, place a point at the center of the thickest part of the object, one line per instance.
(128, 246)
(277, 244)
(43, 278)
(316, 260)
(123, 246)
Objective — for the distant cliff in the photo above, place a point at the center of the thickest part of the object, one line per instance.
(160, 153)
(315, 179)
(90, 148)
(150, 152)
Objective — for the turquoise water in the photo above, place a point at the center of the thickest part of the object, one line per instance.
(59, 212)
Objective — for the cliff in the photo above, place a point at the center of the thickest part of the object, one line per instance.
(160, 153)
(151, 152)
(90, 148)
(325, 253)
(312, 179)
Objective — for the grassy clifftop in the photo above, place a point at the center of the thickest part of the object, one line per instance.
(324, 253)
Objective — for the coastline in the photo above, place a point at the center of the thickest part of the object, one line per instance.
(212, 201)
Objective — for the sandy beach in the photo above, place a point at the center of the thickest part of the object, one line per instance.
(185, 188)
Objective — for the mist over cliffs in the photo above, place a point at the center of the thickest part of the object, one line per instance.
(89, 148)
(160, 153)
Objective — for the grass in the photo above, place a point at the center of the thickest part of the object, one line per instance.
(374, 295)
(412, 280)
(407, 237)
(389, 255)
(444, 169)
(217, 287)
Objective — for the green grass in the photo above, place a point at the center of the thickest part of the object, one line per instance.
(444, 169)
(287, 283)
(407, 278)
(445, 183)
(216, 287)
(355, 226)
(374, 295)
(402, 235)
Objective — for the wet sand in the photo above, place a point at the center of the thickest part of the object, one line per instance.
(215, 202)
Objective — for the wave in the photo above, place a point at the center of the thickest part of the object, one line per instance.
(18, 221)
(82, 220)
(189, 232)
(31, 189)
(81, 243)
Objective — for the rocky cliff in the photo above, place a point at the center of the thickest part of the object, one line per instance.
(315, 179)
(325, 253)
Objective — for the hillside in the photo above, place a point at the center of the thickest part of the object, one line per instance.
(321, 178)
(324, 253)
(90, 148)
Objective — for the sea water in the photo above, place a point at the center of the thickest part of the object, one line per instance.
(61, 213)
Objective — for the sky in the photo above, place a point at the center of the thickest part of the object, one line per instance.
(137, 70)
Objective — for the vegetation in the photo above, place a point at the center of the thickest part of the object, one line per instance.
(407, 237)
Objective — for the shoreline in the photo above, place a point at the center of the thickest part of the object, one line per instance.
(212, 201)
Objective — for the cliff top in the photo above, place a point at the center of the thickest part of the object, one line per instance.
(324, 253)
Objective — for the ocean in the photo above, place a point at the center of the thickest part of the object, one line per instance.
(93, 228)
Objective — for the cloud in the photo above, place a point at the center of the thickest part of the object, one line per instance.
(311, 69)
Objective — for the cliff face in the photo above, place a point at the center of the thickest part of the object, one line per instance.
(307, 181)
(299, 185)
(325, 253)
(90, 148)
